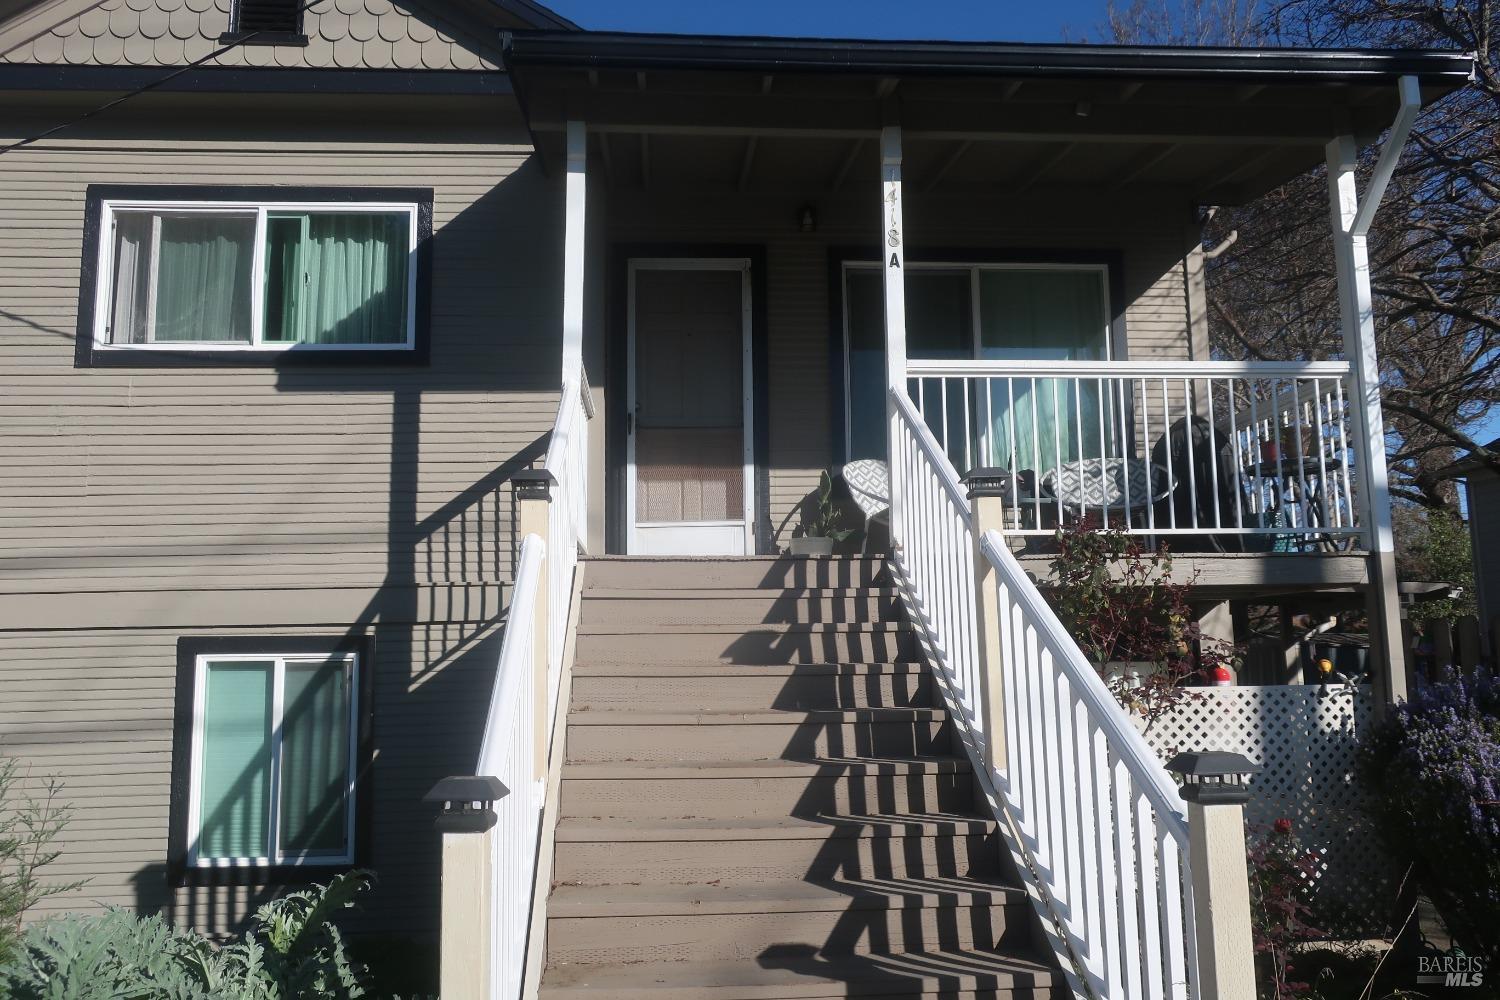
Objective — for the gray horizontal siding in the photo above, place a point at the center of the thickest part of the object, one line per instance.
(108, 741)
(185, 472)
(141, 505)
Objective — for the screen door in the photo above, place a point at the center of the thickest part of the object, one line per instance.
(691, 464)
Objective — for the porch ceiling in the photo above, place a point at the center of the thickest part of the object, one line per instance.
(1224, 135)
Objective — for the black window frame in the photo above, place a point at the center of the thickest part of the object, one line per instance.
(189, 648)
(87, 354)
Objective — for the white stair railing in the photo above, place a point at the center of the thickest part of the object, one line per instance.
(497, 884)
(508, 752)
(1095, 809)
(567, 519)
(1094, 821)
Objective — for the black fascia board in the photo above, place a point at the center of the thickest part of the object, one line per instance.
(624, 50)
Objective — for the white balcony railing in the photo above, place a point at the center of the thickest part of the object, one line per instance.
(1255, 456)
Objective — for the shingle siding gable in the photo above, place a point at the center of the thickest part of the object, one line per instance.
(343, 34)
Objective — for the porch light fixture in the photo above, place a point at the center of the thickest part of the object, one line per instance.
(1214, 777)
(808, 221)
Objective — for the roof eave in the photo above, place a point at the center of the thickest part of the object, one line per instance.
(609, 50)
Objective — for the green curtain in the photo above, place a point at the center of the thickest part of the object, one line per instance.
(235, 792)
(336, 278)
(203, 278)
(1034, 314)
(315, 758)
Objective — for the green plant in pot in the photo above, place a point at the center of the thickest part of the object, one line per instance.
(821, 530)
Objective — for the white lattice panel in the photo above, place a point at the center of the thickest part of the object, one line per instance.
(1304, 737)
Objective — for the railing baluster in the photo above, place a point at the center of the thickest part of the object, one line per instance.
(1150, 883)
(1213, 455)
(1173, 928)
(1131, 879)
(1036, 457)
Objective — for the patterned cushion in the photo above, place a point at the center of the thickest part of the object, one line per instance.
(1102, 483)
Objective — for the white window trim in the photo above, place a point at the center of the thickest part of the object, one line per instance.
(1112, 348)
(195, 797)
(104, 282)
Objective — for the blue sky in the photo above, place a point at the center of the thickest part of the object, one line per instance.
(989, 20)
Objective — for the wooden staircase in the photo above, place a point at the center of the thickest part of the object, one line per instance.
(761, 799)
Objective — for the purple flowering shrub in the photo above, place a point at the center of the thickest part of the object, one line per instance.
(1434, 767)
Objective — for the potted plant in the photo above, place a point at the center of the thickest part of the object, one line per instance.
(1283, 445)
(821, 530)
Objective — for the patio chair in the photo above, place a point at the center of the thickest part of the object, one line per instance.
(1106, 485)
(869, 482)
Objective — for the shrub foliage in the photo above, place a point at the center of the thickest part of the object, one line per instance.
(1434, 766)
(292, 951)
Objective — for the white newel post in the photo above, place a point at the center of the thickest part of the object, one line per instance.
(893, 254)
(1214, 787)
(467, 826)
(533, 492)
(573, 251)
(1351, 223)
(989, 490)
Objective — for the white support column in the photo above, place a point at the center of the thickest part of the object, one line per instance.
(893, 253)
(573, 250)
(1357, 317)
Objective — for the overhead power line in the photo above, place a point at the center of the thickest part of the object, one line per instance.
(153, 85)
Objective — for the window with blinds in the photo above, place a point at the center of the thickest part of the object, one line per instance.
(273, 760)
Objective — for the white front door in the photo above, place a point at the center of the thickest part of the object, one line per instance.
(689, 453)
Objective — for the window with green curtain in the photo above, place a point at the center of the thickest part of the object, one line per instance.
(315, 758)
(336, 278)
(189, 275)
(1025, 313)
(202, 265)
(1039, 314)
(248, 736)
(235, 784)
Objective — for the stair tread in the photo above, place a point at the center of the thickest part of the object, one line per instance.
(799, 971)
(585, 669)
(771, 768)
(740, 717)
(604, 829)
(781, 896)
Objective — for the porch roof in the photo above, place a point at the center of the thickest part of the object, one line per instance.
(1223, 125)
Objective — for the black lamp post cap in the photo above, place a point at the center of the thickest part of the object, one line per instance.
(467, 802)
(533, 484)
(989, 481)
(1214, 777)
